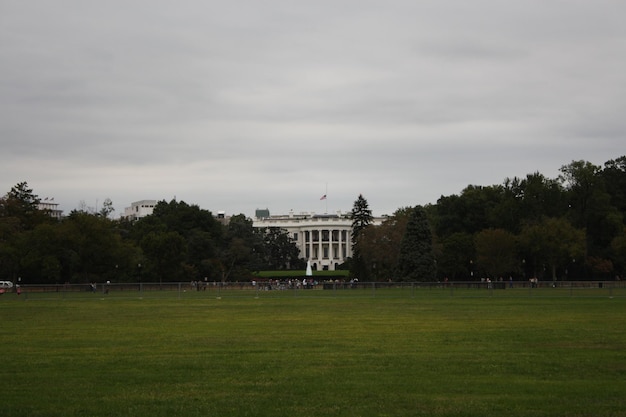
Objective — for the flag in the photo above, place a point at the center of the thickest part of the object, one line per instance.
(323, 197)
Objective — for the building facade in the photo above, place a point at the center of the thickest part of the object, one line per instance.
(323, 239)
(139, 209)
(50, 207)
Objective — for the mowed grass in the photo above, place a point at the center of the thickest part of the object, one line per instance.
(313, 356)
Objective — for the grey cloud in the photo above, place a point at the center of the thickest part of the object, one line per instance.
(246, 103)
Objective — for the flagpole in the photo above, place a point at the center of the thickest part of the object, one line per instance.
(326, 200)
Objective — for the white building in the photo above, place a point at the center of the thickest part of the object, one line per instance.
(52, 208)
(323, 239)
(139, 209)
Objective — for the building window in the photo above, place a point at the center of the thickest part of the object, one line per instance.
(325, 235)
(295, 236)
(307, 236)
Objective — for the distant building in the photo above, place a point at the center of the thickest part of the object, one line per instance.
(323, 239)
(222, 217)
(261, 213)
(48, 205)
(139, 209)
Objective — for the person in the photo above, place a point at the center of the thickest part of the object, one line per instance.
(18, 289)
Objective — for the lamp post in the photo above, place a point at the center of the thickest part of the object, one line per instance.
(139, 277)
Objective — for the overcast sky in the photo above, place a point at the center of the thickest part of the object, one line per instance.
(252, 104)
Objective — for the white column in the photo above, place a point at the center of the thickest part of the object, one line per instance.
(320, 251)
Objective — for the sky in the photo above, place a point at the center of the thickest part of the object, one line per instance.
(246, 104)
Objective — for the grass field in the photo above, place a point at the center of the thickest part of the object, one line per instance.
(199, 355)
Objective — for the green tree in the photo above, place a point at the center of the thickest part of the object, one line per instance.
(614, 174)
(590, 206)
(243, 251)
(470, 212)
(93, 249)
(20, 206)
(496, 252)
(164, 253)
(416, 260)
(202, 239)
(380, 245)
(41, 255)
(362, 218)
(81, 248)
(552, 243)
(527, 200)
(281, 251)
(457, 254)
(618, 248)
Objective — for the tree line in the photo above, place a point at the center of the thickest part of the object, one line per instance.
(565, 228)
(178, 242)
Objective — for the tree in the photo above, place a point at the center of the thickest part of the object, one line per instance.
(22, 205)
(618, 248)
(202, 236)
(243, 250)
(281, 251)
(41, 255)
(380, 245)
(107, 208)
(580, 179)
(165, 253)
(361, 217)
(590, 205)
(527, 200)
(496, 252)
(614, 174)
(80, 248)
(416, 260)
(552, 243)
(457, 255)
(470, 212)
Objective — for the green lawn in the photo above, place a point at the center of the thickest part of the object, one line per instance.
(322, 355)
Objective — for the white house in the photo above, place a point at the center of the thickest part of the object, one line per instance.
(323, 239)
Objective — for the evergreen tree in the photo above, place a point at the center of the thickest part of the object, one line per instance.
(21, 205)
(416, 261)
(361, 217)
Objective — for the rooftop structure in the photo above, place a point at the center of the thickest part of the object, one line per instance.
(48, 205)
(139, 209)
